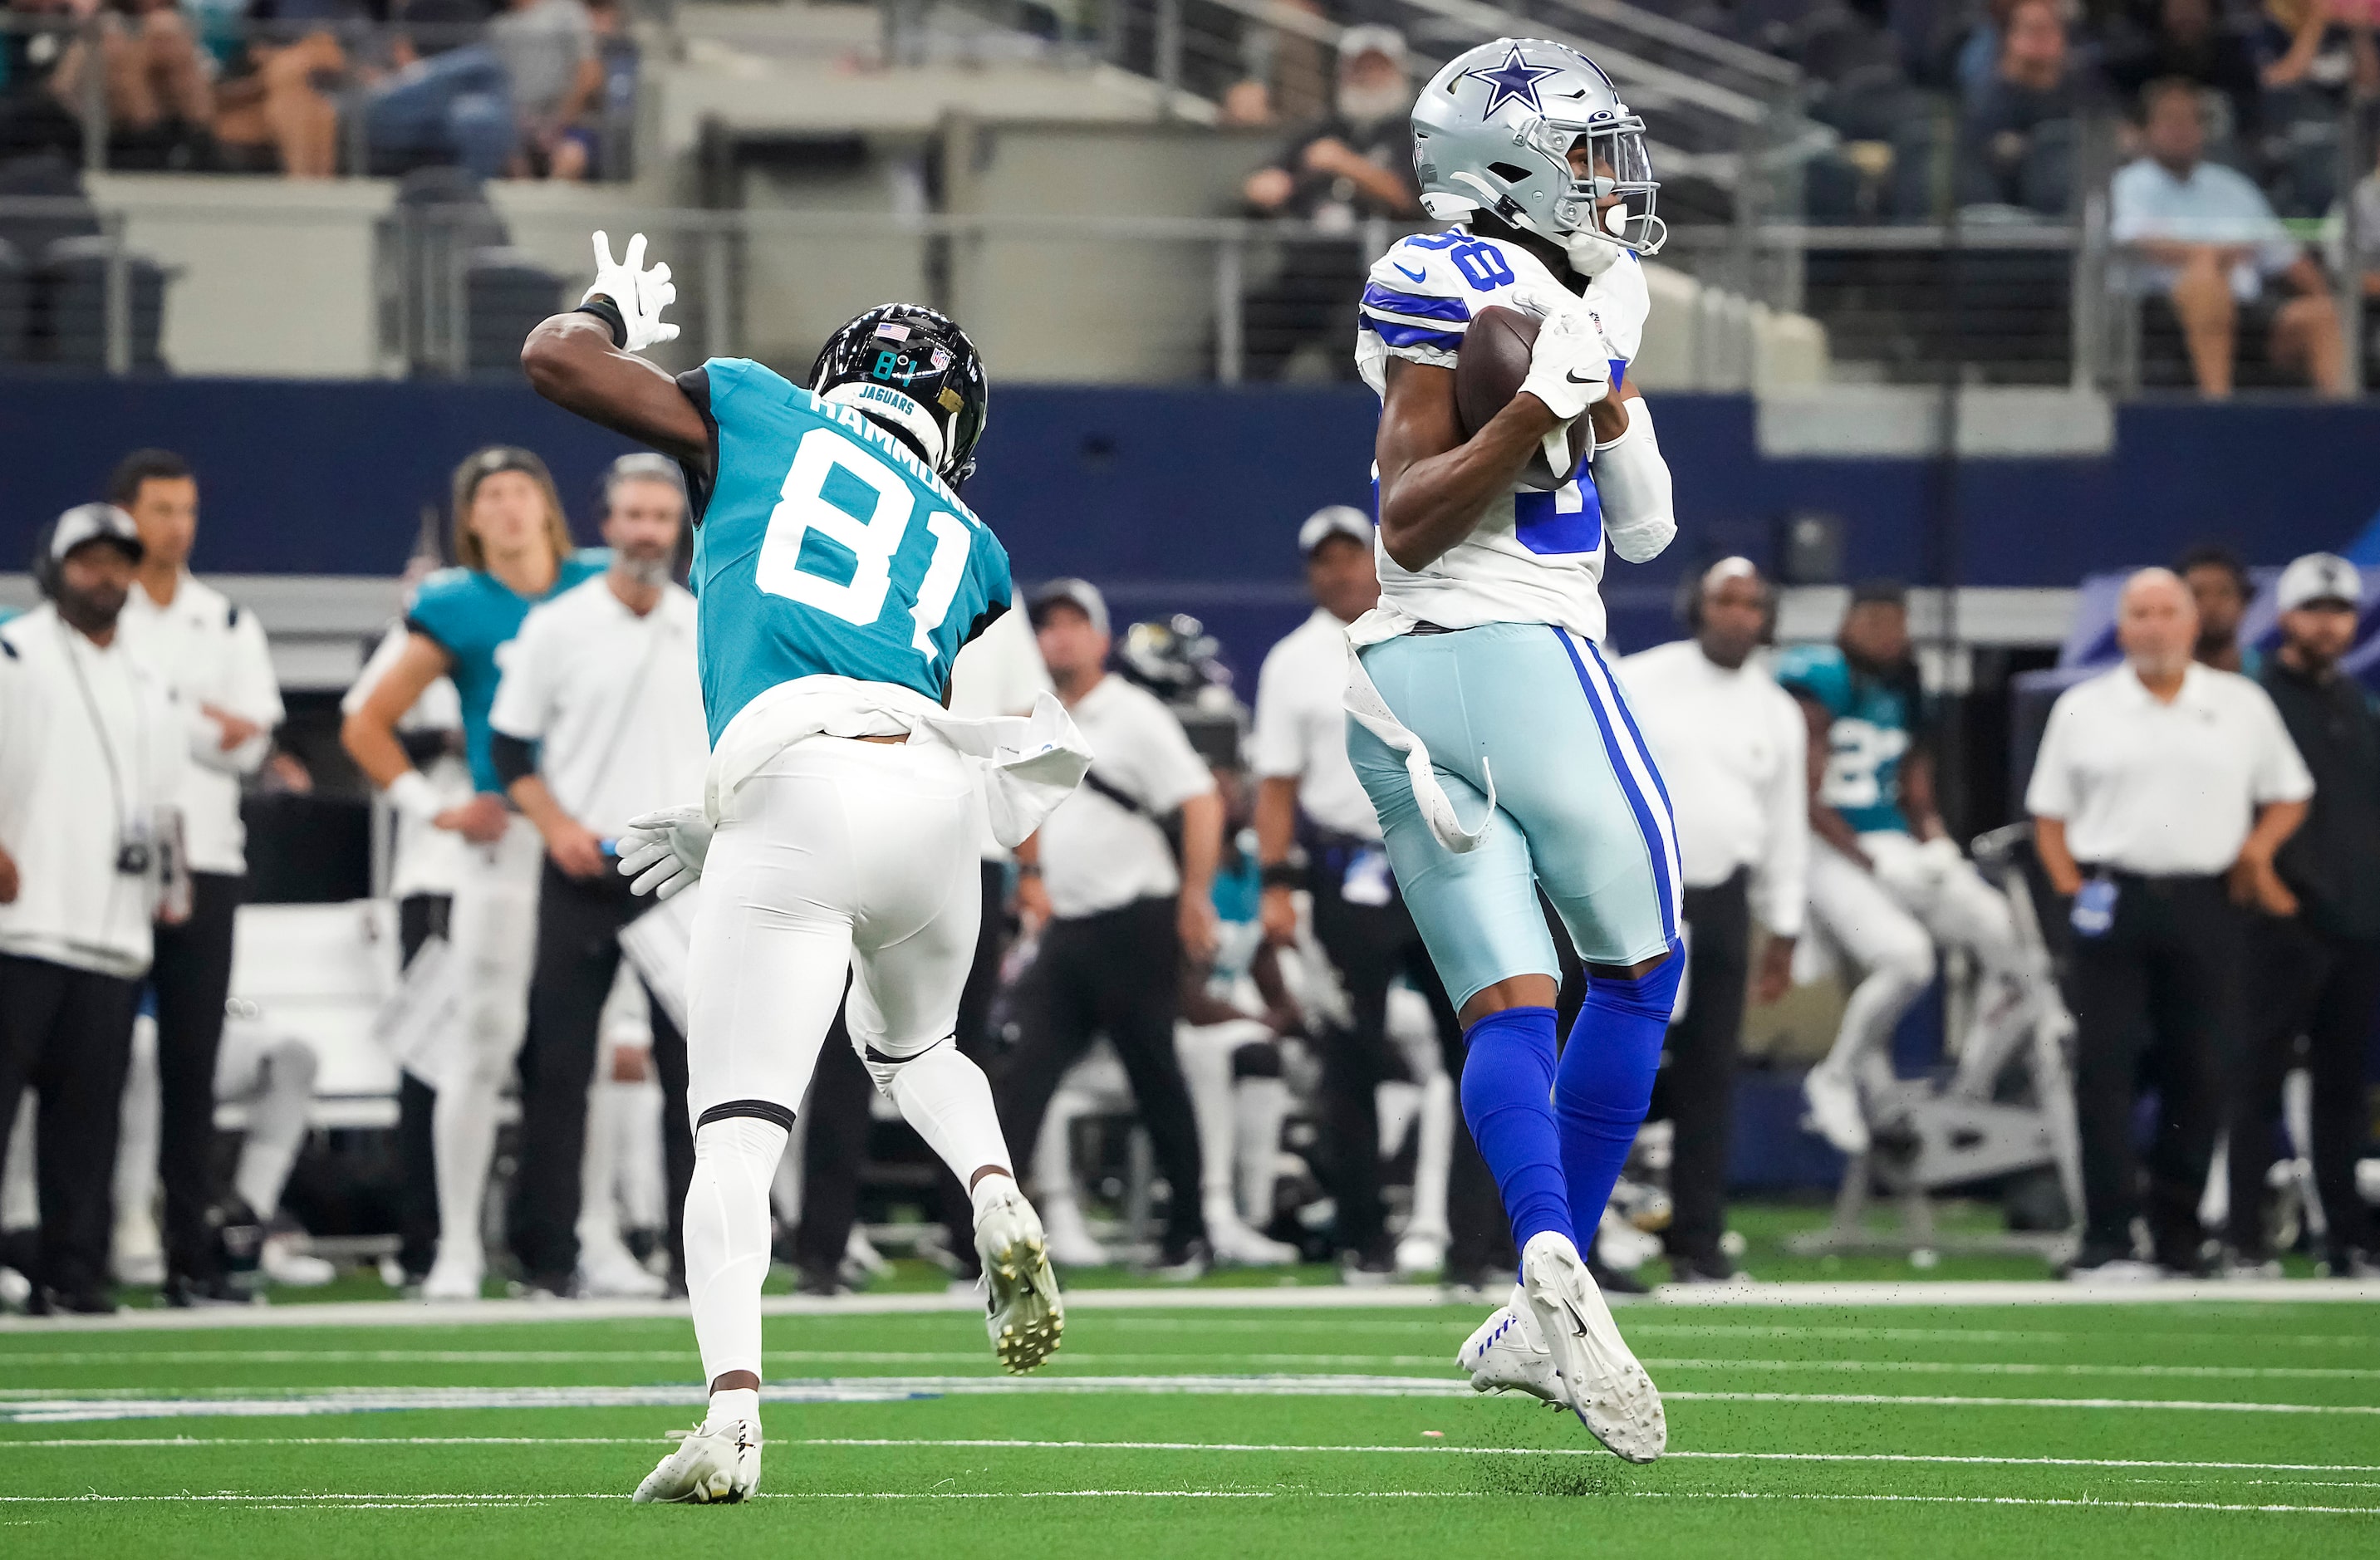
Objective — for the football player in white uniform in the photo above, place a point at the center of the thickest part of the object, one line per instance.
(1488, 730)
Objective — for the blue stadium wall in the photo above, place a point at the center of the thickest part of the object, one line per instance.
(1186, 499)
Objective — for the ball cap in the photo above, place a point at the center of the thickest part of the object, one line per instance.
(1081, 595)
(95, 522)
(1334, 520)
(2319, 576)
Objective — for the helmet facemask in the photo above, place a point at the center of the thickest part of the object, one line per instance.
(1620, 173)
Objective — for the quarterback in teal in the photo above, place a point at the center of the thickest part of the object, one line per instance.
(515, 552)
(839, 574)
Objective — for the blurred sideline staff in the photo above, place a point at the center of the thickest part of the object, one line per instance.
(213, 654)
(2315, 974)
(425, 865)
(1733, 750)
(598, 720)
(515, 552)
(2158, 784)
(81, 719)
(1310, 804)
(1117, 914)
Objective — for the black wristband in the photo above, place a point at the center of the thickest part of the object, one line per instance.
(603, 309)
(1281, 875)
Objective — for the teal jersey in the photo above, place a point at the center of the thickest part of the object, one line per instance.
(1872, 726)
(827, 546)
(472, 616)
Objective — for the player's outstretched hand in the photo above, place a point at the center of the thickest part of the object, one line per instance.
(640, 294)
(1570, 369)
(665, 851)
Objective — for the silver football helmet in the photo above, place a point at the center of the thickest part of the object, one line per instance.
(1494, 129)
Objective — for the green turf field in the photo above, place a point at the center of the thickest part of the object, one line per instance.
(2217, 1428)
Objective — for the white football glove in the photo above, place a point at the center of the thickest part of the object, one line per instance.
(1570, 369)
(639, 295)
(665, 851)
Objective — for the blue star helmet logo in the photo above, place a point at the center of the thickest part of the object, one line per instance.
(1515, 80)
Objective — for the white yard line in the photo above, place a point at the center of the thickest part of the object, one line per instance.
(182, 1443)
(686, 1357)
(89, 1408)
(329, 1501)
(1294, 1296)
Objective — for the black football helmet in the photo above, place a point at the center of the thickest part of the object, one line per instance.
(913, 370)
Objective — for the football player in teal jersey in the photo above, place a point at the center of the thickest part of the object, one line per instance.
(1886, 881)
(515, 552)
(838, 574)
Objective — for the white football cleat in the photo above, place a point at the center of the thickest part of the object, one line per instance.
(1022, 1311)
(283, 1261)
(1507, 1355)
(1421, 1253)
(1069, 1239)
(711, 1466)
(608, 1270)
(1834, 1102)
(1238, 1244)
(1600, 1378)
(455, 1276)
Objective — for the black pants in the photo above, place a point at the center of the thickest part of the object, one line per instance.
(191, 976)
(2322, 990)
(578, 921)
(1117, 974)
(1370, 946)
(1696, 1088)
(419, 917)
(2153, 999)
(66, 1033)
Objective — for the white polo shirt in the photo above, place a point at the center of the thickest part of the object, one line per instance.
(614, 700)
(2163, 790)
(1301, 727)
(1733, 752)
(1098, 855)
(209, 652)
(91, 750)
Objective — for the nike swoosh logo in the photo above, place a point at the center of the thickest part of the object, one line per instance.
(1572, 377)
(1414, 275)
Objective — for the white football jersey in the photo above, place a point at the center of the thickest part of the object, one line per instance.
(1533, 557)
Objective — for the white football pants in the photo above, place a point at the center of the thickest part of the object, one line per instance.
(839, 855)
(1887, 921)
(271, 1074)
(493, 932)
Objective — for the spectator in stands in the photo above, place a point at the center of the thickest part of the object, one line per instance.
(2156, 783)
(1117, 911)
(270, 105)
(213, 655)
(450, 98)
(33, 118)
(2190, 43)
(2319, 64)
(2221, 587)
(1978, 57)
(2205, 238)
(90, 759)
(160, 107)
(2017, 137)
(1355, 165)
(2314, 975)
(548, 49)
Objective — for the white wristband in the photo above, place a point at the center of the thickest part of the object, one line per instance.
(412, 794)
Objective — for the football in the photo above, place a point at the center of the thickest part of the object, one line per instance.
(1487, 374)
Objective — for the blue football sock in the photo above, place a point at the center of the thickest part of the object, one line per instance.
(1508, 1078)
(1604, 1081)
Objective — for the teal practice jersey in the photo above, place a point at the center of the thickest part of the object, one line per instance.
(472, 615)
(1872, 726)
(828, 547)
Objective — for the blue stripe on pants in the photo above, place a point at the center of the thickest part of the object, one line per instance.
(1626, 755)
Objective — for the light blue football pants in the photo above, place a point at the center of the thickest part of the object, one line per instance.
(1581, 810)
